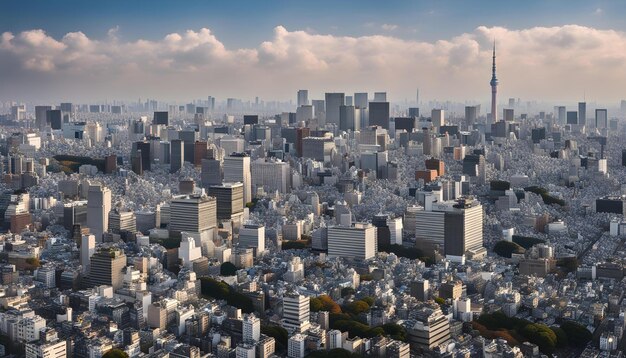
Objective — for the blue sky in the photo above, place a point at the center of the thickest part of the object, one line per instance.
(247, 23)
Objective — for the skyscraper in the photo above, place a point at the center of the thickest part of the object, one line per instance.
(177, 156)
(333, 102)
(379, 114)
(98, 208)
(87, 249)
(296, 312)
(582, 113)
(237, 169)
(193, 214)
(229, 199)
(106, 268)
(494, 89)
(303, 98)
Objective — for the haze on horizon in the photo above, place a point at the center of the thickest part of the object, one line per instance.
(46, 61)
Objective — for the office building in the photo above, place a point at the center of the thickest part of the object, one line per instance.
(229, 197)
(437, 117)
(454, 227)
(177, 155)
(572, 117)
(237, 169)
(98, 208)
(380, 97)
(87, 249)
(347, 119)
(333, 102)
(471, 115)
(582, 113)
(430, 330)
(120, 221)
(161, 118)
(303, 98)
(508, 114)
(318, 148)
(296, 311)
(55, 118)
(601, 118)
(41, 117)
(360, 100)
(272, 175)
(252, 236)
(420, 289)
(357, 242)
(379, 114)
(106, 268)
(211, 173)
(192, 213)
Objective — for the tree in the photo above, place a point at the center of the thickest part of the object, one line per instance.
(115, 353)
(561, 337)
(347, 291)
(541, 335)
(577, 334)
(228, 269)
(278, 333)
(507, 249)
(357, 307)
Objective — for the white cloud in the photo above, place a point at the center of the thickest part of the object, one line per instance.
(552, 62)
(389, 27)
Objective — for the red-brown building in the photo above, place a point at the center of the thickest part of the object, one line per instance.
(428, 175)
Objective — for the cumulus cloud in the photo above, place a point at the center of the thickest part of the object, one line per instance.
(539, 62)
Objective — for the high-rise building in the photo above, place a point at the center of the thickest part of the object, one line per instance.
(358, 241)
(471, 114)
(494, 90)
(360, 100)
(379, 114)
(55, 118)
(333, 102)
(303, 98)
(177, 156)
(430, 330)
(347, 118)
(582, 113)
(251, 329)
(508, 114)
(380, 97)
(572, 117)
(98, 208)
(193, 213)
(237, 169)
(41, 117)
(106, 268)
(161, 118)
(296, 312)
(420, 290)
(318, 148)
(455, 227)
(252, 236)
(229, 198)
(120, 221)
(437, 117)
(271, 175)
(212, 172)
(601, 118)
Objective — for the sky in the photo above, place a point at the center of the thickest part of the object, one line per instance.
(180, 50)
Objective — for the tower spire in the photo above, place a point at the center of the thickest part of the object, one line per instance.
(494, 90)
